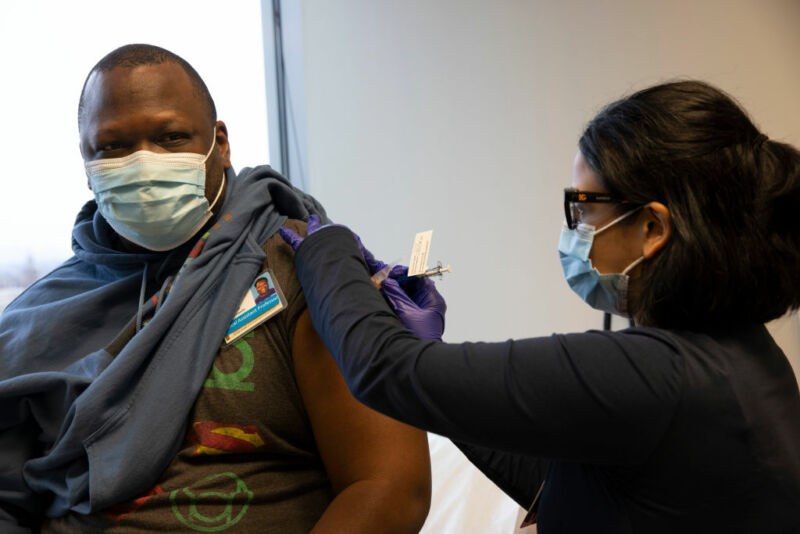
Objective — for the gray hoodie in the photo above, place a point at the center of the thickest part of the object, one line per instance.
(81, 429)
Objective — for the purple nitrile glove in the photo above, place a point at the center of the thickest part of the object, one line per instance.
(373, 263)
(417, 303)
(294, 240)
(419, 306)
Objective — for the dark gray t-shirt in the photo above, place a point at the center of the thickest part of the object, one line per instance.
(249, 462)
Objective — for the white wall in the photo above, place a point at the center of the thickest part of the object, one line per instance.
(463, 116)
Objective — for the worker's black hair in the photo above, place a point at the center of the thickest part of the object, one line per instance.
(733, 197)
(134, 55)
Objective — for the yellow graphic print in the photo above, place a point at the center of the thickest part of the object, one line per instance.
(210, 437)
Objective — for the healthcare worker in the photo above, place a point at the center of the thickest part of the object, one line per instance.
(680, 215)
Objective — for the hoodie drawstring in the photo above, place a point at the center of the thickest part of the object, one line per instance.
(141, 299)
(160, 297)
(163, 292)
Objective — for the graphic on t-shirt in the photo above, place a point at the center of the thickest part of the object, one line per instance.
(221, 438)
(235, 380)
(118, 511)
(212, 504)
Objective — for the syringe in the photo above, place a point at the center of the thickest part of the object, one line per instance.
(380, 276)
(430, 272)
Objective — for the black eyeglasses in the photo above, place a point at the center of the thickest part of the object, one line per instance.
(573, 197)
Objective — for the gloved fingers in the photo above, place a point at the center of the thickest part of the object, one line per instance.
(398, 271)
(425, 323)
(291, 237)
(423, 292)
(415, 287)
(427, 296)
(313, 225)
(396, 296)
(373, 263)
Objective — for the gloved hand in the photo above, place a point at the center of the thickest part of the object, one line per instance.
(294, 240)
(416, 302)
(375, 264)
(418, 305)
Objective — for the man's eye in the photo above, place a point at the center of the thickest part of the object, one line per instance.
(108, 147)
(173, 137)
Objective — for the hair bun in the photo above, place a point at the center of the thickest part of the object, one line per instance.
(782, 190)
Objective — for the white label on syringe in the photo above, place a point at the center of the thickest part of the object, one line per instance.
(419, 253)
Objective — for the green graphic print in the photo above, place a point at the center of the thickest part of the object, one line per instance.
(226, 508)
(235, 380)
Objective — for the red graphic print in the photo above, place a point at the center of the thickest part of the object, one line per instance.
(197, 248)
(220, 438)
(118, 511)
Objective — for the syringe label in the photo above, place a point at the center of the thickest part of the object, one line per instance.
(418, 263)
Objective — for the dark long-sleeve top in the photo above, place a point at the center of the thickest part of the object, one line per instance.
(647, 430)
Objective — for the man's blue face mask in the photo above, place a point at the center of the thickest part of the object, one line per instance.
(605, 292)
(155, 200)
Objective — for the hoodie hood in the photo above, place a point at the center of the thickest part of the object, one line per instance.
(95, 242)
(73, 372)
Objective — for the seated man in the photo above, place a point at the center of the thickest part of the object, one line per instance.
(121, 407)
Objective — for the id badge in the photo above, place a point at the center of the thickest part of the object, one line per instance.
(262, 301)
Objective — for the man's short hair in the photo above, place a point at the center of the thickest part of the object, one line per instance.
(134, 55)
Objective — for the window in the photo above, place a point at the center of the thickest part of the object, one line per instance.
(48, 48)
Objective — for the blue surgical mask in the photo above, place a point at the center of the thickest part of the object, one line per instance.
(155, 200)
(605, 292)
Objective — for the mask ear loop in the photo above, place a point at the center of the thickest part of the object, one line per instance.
(624, 293)
(219, 192)
(213, 143)
(618, 219)
(221, 185)
(624, 296)
(632, 265)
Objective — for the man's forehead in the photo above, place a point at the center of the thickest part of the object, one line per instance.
(141, 87)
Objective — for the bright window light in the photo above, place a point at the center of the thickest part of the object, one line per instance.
(48, 48)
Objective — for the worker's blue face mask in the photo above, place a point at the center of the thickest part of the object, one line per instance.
(155, 200)
(605, 292)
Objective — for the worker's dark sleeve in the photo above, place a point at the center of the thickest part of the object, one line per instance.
(594, 397)
(518, 475)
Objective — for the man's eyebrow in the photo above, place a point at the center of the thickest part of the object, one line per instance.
(112, 127)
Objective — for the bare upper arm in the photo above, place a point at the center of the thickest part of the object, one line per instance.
(355, 442)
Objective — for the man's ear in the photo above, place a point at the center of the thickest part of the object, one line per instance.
(223, 144)
(657, 228)
(80, 149)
